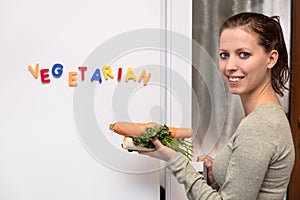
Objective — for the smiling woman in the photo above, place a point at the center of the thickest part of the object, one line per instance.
(245, 65)
(249, 58)
(257, 161)
(262, 39)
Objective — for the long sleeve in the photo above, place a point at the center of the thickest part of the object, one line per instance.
(194, 183)
(255, 164)
(245, 173)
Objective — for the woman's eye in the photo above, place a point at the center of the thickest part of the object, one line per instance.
(244, 55)
(223, 55)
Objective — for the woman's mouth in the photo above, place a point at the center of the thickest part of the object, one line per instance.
(235, 78)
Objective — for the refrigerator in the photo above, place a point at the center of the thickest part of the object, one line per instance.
(72, 68)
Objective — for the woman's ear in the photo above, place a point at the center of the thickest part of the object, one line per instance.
(273, 57)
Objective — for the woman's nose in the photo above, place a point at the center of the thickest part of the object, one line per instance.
(231, 64)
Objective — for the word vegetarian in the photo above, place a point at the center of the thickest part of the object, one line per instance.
(107, 72)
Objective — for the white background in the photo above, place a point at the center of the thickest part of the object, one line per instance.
(41, 156)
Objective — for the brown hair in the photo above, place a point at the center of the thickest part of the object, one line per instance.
(270, 37)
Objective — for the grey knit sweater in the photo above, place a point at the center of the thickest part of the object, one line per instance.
(255, 164)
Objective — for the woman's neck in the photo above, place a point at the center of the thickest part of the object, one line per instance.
(251, 101)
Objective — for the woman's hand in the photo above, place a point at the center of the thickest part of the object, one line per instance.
(162, 152)
(208, 162)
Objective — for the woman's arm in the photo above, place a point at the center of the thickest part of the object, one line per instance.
(194, 183)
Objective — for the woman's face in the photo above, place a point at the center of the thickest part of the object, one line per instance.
(243, 63)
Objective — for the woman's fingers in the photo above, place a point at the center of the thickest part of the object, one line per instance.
(162, 152)
(202, 158)
(157, 143)
(208, 161)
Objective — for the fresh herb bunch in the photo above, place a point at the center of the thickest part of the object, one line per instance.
(164, 135)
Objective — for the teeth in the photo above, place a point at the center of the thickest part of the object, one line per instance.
(234, 79)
